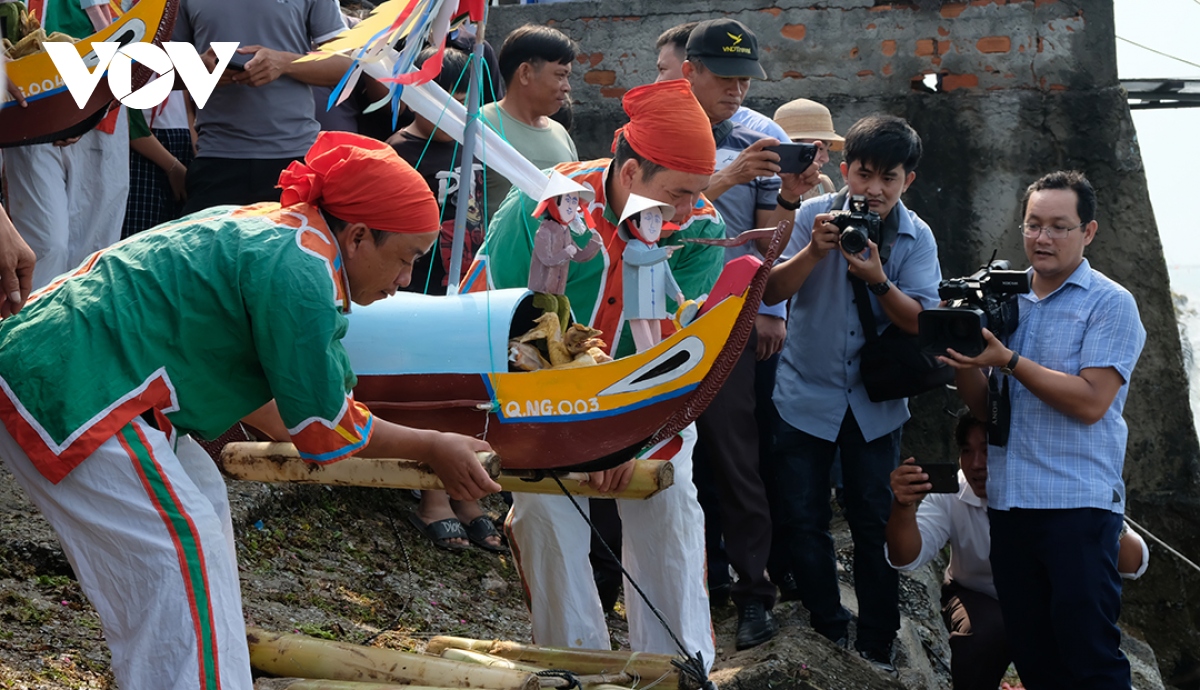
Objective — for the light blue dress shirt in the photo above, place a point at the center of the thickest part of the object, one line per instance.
(760, 123)
(739, 205)
(1052, 460)
(818, 376)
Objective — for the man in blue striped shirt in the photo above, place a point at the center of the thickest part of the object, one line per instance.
(1056, 497)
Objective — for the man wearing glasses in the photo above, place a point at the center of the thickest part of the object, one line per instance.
(1055, 493)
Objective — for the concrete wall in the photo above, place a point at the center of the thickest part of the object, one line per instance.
(1022, 88)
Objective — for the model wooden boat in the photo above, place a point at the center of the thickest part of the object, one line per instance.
(441, 363)
(51, 113)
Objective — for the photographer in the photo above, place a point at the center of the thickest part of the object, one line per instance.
(1055, 491)
(819, 391)
(923, 522)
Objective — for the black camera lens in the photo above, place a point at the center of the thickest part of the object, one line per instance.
(854, 239)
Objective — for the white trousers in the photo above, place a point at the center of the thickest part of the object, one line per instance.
(69, 201)
(662, 548)
(147, 530)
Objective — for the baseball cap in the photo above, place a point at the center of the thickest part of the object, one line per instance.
(726, 47)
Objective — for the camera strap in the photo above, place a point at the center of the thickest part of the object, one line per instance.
(839, 201)
(999, 413)
(862, 302)
(890, 230)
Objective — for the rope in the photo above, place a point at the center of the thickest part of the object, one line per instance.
(658, 681)
(693, 665)
(395, 623)
(570, 678)
(1161, 543)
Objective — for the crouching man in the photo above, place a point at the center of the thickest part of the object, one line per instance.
(922, 523)
(184, 330)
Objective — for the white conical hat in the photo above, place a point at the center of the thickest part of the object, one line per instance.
(560, 184)
(637, 204)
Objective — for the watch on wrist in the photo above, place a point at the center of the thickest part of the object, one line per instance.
(785, 204)
(880, 288)
(1007, 369)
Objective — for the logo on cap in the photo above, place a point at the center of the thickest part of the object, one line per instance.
(736, 47)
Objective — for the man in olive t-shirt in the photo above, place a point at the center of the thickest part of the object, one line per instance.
(535, 62)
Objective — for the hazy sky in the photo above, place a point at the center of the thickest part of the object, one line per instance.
(1169, 139)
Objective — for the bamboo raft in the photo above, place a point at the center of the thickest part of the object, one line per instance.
(279, 462)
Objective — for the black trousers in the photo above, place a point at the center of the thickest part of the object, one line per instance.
(728, 443)
(232, 181)
(979, 653)
(1056, 576)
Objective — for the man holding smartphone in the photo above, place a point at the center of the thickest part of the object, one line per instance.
(925, 517)
(260, 117)
(721, 57)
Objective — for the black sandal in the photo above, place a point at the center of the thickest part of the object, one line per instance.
(478, 531)
(440, 532)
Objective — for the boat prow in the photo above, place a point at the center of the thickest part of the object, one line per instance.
(52, 113)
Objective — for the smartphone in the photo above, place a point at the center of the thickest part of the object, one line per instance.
(943, 476)
(794, 157)
(237, 63)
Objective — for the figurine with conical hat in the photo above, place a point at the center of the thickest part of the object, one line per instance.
(647, 279)
(555, 246)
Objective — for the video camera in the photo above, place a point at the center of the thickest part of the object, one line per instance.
(857, 224)
(984, 299)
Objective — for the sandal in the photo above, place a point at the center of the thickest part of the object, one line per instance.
(440, 532)
(478, 531)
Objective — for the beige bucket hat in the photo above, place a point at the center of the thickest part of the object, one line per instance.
(805, 119)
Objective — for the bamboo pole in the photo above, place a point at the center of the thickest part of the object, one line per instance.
(589, 680)
(319, 684)
(649, 667)
(489, 660)
(281, 654)
(466, 181)
(649, 478)
(279, 462)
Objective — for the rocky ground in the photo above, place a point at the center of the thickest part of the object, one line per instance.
(345, 564)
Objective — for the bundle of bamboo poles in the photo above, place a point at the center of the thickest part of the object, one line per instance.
(307, 663)
(280, 462)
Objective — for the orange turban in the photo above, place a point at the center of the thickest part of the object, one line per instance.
(668, 127)
(361, 180)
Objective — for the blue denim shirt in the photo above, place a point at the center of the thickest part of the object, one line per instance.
(818, 376)
(1053, 460)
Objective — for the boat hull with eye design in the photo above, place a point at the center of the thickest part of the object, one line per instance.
(441, 363)
(51, 113)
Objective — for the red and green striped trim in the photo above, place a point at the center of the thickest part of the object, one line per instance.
(187, 547)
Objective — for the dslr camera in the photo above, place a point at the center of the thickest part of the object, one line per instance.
(858, 223)
(984, 299)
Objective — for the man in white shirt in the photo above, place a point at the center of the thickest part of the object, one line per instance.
(915, 535)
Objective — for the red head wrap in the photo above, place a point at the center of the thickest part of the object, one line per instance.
(361, 180)
(668, 127)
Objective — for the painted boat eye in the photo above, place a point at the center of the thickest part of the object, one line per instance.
(678, 360)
